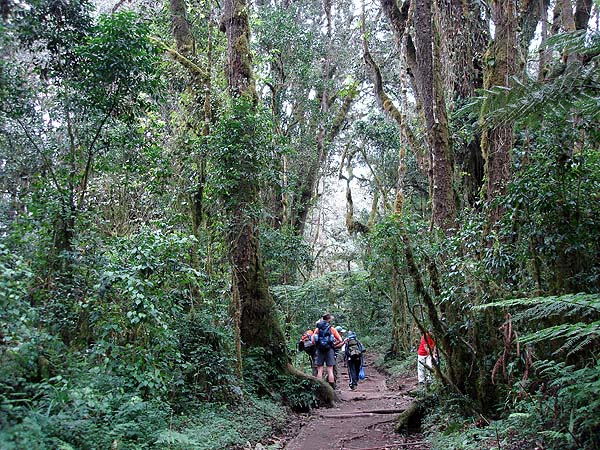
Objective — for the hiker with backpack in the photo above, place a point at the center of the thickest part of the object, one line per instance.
(353, 354)
(307, 345)
(326, 338)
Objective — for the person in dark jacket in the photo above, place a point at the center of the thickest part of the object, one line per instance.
(353, 354)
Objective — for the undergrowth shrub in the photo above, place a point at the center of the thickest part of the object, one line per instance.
(263, 380)
(207, 362)
(215, 426)
(86, 411)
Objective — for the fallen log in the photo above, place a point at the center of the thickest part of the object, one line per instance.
(391, 446)
(367, 413)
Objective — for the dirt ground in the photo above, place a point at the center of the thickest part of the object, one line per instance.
(362, 419)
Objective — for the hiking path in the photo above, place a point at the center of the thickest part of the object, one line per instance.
(362, 419)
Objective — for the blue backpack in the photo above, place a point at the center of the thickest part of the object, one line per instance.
(325, 337)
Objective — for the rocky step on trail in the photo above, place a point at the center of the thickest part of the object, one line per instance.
(362, 419)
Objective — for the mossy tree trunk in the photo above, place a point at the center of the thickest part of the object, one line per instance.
(500, 64)
(198, 114)
(430, 91)
(253, 307)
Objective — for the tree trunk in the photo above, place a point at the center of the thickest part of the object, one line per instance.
(583, 10)
(500, 65)
(465, 39)
(253, 307)
(198, 87)
(432, 99)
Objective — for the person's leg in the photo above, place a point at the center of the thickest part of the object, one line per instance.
(428, 363)
(313, 366)
(335, 367)
(330, 376)
(353, 368)
(319, 361)
(330, 362)
(421, 360)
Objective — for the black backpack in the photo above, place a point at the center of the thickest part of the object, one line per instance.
(324, 338)
(353, 349)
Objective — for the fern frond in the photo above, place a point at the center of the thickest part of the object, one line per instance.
(580, 42)
(577, 336)
(582, 304)
(575, 86)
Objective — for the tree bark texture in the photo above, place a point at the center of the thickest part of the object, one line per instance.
(465, 37)
(235, 24)
(436, 121)
(583, 10)
(500, 65)
(198, 87)
(531, 12)
(180, 26)
(397, 17)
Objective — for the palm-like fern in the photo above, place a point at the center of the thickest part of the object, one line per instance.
(573, 86)
(575, 335)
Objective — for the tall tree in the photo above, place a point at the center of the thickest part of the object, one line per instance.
(500, 66)
(197, 113)
(424, 60)
(430, 90)
(253, 306)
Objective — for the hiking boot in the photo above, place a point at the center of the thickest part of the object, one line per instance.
(352, 387)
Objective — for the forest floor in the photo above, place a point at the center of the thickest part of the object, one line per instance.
(362, 419)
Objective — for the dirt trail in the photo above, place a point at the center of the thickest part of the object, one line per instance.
(362, 419)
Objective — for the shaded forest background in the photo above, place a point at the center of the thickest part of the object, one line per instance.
(186, 186)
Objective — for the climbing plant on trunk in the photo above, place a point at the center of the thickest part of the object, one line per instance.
(239, 156)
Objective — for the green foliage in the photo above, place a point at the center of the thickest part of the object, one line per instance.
(55, 26)
(117, 61)
(218, 426)
(207, 363)
(558, 411)
(377, 141)
(300, 396)
(344, 294)
(262, 379)
(554, 197)
(285, 254)
(575, 86)
(284, 38)
(15, 276)
(142, 290)
(240, 153)
(573, 336)
(82, 409)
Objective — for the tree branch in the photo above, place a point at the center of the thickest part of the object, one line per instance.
(193, 68)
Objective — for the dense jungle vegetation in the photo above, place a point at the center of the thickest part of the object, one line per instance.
(187, 185)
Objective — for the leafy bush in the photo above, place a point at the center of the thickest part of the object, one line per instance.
(207, 362)
(219, 426)
(562, 413)
(86, 411)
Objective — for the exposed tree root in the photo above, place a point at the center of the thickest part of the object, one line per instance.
(325, 393)
(410, 419)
